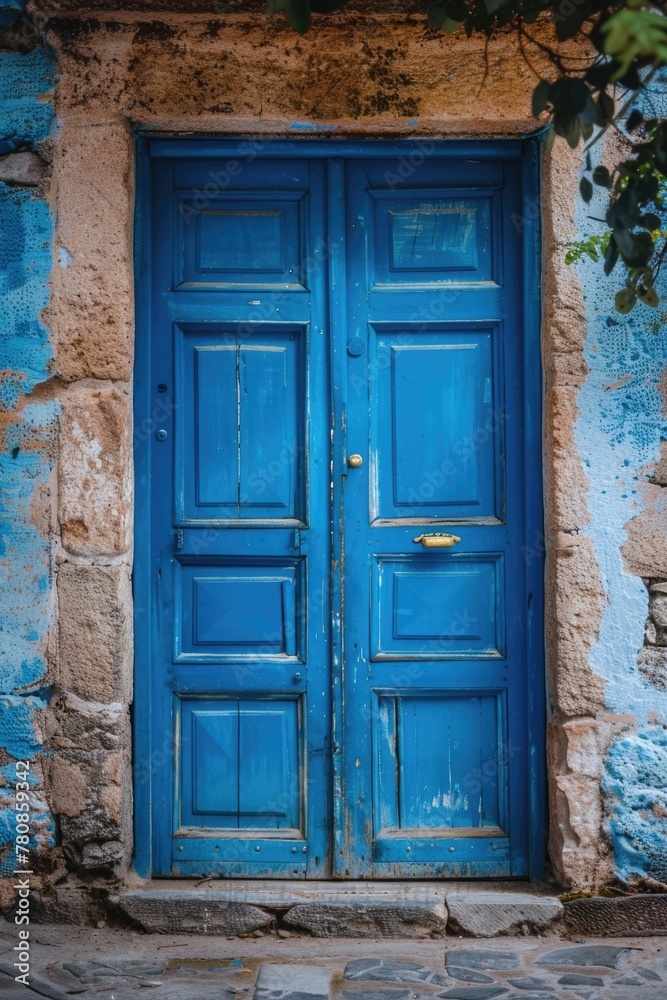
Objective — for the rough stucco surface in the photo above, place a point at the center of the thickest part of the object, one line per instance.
(619, 431)
(377, 76)
(91, 311)
(94, 473)
(27, 453)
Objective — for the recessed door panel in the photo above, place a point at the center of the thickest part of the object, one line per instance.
(440, 455)
(240, 765)
(431, 236)
(230, 240)
(448, 747)
(431, 607)
(241, 422)
(239, 611)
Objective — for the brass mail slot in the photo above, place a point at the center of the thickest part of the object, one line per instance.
(437, 541)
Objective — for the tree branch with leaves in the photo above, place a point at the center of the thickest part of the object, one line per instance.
(627, 40)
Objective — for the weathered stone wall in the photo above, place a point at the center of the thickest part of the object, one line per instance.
(385, 75)
(28, 443)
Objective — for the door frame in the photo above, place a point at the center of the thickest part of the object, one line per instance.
(146, 756)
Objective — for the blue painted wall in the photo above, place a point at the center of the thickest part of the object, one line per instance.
(620, 427)
(27, 434)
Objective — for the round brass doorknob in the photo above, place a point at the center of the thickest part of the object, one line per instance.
(354, 461)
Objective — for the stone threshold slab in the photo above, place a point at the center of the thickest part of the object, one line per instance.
(332, 909)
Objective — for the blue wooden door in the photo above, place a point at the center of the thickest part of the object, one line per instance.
(335, 459)
(239, 518)
(435, 738)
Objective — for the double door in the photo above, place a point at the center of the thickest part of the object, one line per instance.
(338, 669)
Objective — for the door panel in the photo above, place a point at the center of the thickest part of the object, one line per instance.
(441, 745)
(240, 446)
(241, 675)
(240, 765)
(335, 679)
(440, 453)
(439, 609)
(434, 651)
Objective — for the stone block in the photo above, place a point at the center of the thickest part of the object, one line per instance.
(487, 914)
(474, 992)
(91, 309)
(573, 621)
(95, 632)
(370, 917)
(586, 956)
(96, 825)
(311, 981)
(658, 609)
(380, 994)
(163, 911)
(467, 975)
(89, 782)
(384, 970)
(645, 551)
(567, 509)
(63, 905)
(493, 961)
(652, 663)
(77, 725)
(95, 501)
(25, 169)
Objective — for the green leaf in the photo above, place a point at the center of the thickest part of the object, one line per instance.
(642, 250)
(549, 138)
(447, 13)
(573, 134)
(606, 107)
(648, 296)
(437, 13)
(540, 97)
(624, 241)
(625, 301)
(568, 24)
(493, 6)
(635, 119)
(585, 189)
(650, 221)
(611, 257)
(297, 13)
(602, 177)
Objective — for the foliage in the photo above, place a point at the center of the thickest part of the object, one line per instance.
(594, 247)
(628, 44)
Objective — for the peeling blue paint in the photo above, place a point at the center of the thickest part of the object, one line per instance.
(25, 79)
(25, 266)
(636, 784)
(26, 235)
(310, 127)
(618, 434)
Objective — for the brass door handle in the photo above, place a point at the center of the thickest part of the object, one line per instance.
(437, 541)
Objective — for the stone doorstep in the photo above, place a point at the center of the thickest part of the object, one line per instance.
(326, 909)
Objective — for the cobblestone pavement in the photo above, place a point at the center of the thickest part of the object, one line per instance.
(122, 965)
